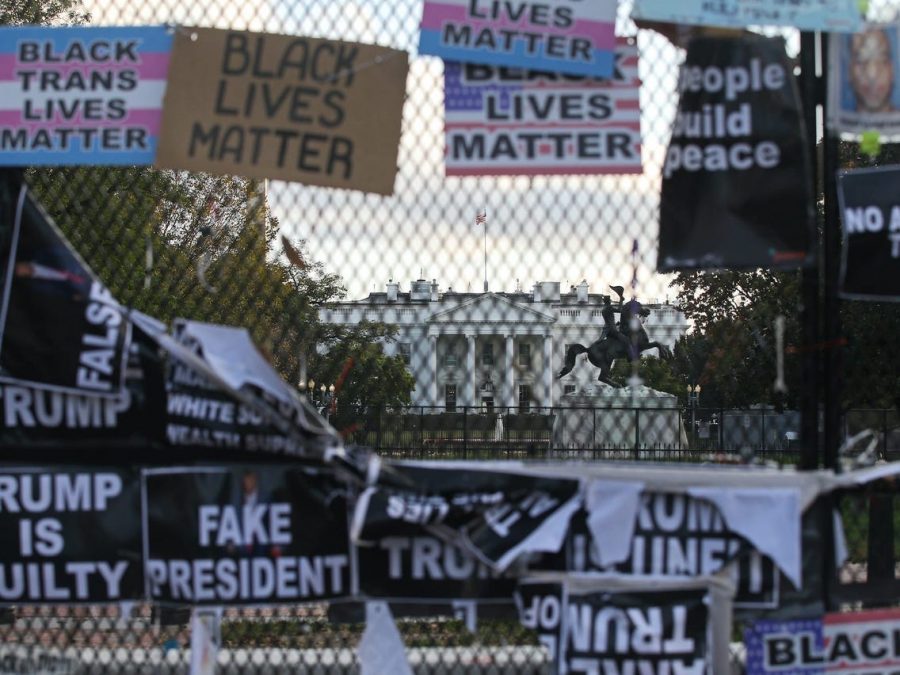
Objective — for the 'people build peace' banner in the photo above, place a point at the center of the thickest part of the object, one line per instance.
(81, 95)
(736, 190)
(509, 121)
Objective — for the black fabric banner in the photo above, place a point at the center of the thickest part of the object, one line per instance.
(60, 328)
(69, 535)
(602, 631)
(245, 535)
(427, 569)
(870, 209)
(496, 514)
(736, 180)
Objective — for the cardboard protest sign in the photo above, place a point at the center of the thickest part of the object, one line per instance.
(81, 95)
(69, 535)
(504, 121)
(245, 535)
(315, 111)
(790, 646)
(812, 15)
(60, 327)
(736, 187)
(863, 86)
(870, 210)
(553, 35)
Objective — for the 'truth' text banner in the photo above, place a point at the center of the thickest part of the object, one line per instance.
(321, 112)
(554, 35)
(81, 95)
(507, 121)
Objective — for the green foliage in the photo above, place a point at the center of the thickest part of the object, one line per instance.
(15, 12)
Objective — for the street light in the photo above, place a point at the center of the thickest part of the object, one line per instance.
(693, 400)
(311, 389)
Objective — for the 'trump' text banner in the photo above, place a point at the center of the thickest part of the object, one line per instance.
(69, 535)
(81, 95)
(506, 121)
(245, 535)
(554, 35)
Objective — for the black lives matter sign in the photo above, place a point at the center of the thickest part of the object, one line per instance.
(321, 112)
(245, 535)
(736, 179)
(870, 210)
(69, 535)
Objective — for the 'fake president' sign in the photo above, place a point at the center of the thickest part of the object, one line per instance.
(556, 35)
(81, 95)
(508, 121)
(321, 112)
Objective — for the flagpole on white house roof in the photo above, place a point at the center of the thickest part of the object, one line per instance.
(481, 219)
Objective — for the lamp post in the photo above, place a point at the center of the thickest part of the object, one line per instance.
(324, 399)
(693, 393)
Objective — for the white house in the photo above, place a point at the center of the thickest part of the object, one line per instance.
(493, 349)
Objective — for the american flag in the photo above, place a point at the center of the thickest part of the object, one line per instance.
(481, 218)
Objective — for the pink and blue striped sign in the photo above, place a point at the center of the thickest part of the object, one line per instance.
(562, 36)
(81, 95)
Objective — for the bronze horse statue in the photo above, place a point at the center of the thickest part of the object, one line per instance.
(603, 352)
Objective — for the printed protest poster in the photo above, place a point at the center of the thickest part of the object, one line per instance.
(60, 327)
(870, 209)
(553, 35)
(863, 83)
(81, 95)
(792, 646)
(321, 112)
(245, 535)
(736, 187)
(863, 643)
(589, 628)
(812, 15)
(506, 121)
(426, 569)
(676, 535)
(69, 535)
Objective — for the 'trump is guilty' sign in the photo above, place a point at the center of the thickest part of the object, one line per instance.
(321, 112)
(81, 95)
(69, 535)
(245, 536)
(736, 190)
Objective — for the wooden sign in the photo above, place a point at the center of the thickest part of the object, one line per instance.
(321, 112)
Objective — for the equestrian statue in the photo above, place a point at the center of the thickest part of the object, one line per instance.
(627, 339)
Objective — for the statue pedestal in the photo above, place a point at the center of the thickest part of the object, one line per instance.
(604, 417)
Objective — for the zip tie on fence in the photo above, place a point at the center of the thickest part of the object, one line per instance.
(780, 385)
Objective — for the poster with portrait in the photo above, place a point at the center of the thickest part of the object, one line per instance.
(863, 89)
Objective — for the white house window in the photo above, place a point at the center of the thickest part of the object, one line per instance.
(405, 352)
(524, 397)
(569, 389)
(524, 355)
(487, 354)
(450, 397)
(450, 357)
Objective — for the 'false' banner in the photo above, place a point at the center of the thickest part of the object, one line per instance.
(736, 190)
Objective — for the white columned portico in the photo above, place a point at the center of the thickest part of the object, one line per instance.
(433, 363)
(509, 394)
(470, 371)
(547, 372)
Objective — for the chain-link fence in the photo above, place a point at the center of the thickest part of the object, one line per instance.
(437, 323)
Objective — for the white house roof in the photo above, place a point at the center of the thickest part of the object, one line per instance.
(489, 309)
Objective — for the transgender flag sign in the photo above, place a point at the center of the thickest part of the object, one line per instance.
(81, 95)
(558, 36)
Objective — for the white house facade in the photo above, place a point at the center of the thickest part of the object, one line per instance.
(491, 349)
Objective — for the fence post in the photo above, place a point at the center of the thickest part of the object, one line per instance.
(637, 433)
(465, 431)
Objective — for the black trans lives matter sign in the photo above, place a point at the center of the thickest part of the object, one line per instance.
(245, 535)
(69, 535)
(870, 208)
(736, 179)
